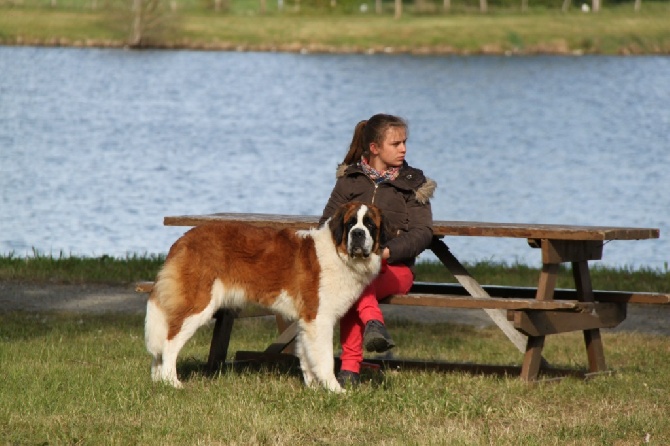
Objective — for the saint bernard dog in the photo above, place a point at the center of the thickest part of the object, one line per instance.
(312, 276)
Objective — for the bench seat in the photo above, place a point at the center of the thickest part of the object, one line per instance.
(492, 303)
(530, 293)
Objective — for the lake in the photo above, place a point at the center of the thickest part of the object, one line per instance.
(97, 146)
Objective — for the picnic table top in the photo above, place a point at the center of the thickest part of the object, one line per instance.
(441, 228)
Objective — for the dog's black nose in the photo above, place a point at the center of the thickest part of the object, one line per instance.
(357, 234)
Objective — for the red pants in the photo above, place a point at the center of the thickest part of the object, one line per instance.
(393, 279)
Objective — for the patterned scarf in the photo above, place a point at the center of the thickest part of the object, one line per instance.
(377, 176)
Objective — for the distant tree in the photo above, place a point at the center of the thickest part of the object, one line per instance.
(144, 22)
(150, 20)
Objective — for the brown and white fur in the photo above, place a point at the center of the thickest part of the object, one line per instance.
(311, 276)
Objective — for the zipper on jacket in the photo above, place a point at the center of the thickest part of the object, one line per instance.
(374, 194)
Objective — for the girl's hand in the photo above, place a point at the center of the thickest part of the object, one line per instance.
(386, 253)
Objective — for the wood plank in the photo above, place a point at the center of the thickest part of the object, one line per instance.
(285, 338)
(533, 360)
(560, 251)
(283, 325)
(441, 227)
(541, 323)
(592, 339)
(542, 231)
(144, 287)
(218, 347)
(454, 301)
(295, 222)
(630, 297)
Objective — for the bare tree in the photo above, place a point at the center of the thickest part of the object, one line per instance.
(150, 21)
(136, 30)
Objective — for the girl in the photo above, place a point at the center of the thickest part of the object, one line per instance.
(375, 171)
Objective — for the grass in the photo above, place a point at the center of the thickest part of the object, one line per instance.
(64, 269)
(84, 379)
(615, 30)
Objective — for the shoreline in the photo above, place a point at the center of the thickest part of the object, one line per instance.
(439, 50)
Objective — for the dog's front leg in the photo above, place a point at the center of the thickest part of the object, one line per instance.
(317, 348)
(305, 366)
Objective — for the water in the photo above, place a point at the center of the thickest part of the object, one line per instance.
(97, 146)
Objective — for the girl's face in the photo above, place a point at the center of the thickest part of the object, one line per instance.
(391, 153)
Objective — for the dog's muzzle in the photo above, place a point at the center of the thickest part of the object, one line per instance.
(359, 243)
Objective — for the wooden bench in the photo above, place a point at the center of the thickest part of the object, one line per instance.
(525, 315)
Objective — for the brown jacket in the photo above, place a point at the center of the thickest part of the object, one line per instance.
(405, 205)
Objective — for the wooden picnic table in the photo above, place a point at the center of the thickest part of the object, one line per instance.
(525, 320)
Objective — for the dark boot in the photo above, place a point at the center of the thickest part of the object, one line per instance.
(376, 338)
(348, 378)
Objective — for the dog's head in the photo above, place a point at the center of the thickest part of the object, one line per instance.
(358, 229)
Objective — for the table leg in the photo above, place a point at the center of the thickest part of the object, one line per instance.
(592, 339)
(532, 359)
(285, 341)
(218, 348)
(455, 267)
(545, 291)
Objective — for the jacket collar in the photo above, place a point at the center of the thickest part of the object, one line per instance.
(409, 178)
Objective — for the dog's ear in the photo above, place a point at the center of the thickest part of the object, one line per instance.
(336, 225)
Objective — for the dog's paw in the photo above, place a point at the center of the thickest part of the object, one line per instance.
(171, 380)
(334, 386)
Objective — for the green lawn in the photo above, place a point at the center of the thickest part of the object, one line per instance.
(82, 379)
(614, 30)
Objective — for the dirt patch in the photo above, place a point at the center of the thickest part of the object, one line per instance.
(99, 299)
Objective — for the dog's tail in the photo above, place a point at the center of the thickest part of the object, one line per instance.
(155, 330)
(156, 322)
